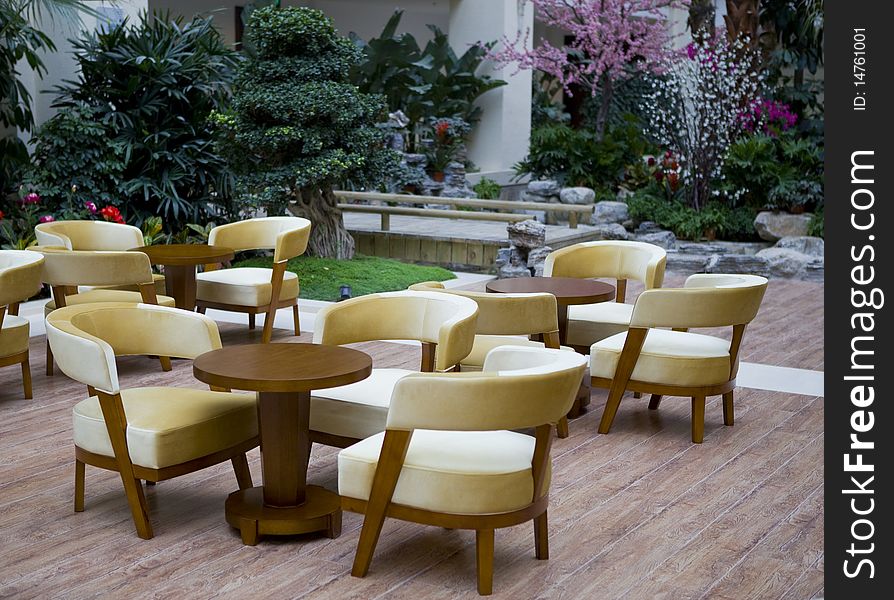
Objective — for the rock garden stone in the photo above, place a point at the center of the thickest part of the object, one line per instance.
(544, 189)
(737, 263)
(536, 258)
(577, 195)
(700, 248)
(527, 234)
(811, 246)
(647, 227)
(665, 239)
(611, 231)
(608, 211)
(687, 263)
(512, 271)
(784, 262)
(773, 226)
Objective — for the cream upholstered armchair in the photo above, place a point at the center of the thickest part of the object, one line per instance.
(19, 280)
(620, 260)
(443, 323)
(502, 320)
(150, 433)
(679, 363)
(447, 459)
(254, 290)
(95, 235)
(105, 276)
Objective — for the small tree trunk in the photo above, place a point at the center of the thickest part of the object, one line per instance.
(328, 236)
(607, 90)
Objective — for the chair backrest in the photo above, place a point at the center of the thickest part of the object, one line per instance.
(621, 260)
(428, 317)
(506, 314)
(86, 338)
(89, 235)
(19, 275)
(286, 236)
(706, 301)
(94, 267)
(519, 387)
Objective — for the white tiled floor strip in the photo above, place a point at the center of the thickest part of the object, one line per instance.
(751, 375)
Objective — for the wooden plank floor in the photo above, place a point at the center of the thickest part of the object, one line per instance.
(638, 513)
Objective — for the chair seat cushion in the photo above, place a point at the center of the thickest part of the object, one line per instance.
(667, 357)
(157, 278)
(357, 410)
(466, 472)
(243, 286)
(104, 295)
(167, 426)
(14, 335)
(589, 323)
(485, 343)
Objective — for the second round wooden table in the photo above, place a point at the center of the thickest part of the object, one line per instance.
(567, 290)
(180, 262)
(283, 375)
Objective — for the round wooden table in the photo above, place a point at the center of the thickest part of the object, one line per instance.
(283, 375)
(567, 290)
(180, 261)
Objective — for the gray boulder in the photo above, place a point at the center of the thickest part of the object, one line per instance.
(784, 262)
(811, 246)
(738, 263)
(773, 226)
(536, 258)
(513, 271)
(527, 234)
(647, 227)
(577, 195)
(611, 231)
(700, 248)
(609, 211)
(665, 239)
(544, 189)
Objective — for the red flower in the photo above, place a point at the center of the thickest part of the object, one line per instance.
(442, 128)
(111, 213)
(672, 180)
(651, 161)
(1, 215)
(46, 219)
(659, 175)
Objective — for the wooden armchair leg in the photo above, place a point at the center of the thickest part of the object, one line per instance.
(49, 360)
(138, 507)
(200, 309)
(541, 537)
(654, 401)
(296, 319)
(165, 363)
(698, 419)
(268, 325)
(562, 428)
(26, 379)
(243, 473)
(728, 416)
(637, 394)
(79, 486)
(610, 410)
(484, 553)
(251, 321)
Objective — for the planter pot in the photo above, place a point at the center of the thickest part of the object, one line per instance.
(438, 176)
(710, 234)
(796, 209)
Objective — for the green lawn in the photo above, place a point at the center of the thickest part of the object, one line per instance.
(321, 278)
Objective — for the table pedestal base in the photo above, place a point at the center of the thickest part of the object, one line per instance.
(246, 511)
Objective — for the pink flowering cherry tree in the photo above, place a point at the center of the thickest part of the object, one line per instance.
(611, 41)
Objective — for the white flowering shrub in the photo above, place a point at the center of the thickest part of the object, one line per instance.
(696, 108)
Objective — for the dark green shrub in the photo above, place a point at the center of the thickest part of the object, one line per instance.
(424, 83)
(777, 173)
(577, 157)
(817, 226)
(77, 158)
(716, 219)
(152, 86)
(487, 189)
(298, 127)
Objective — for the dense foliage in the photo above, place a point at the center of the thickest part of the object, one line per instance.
(716, 219)
(425, 83)
(298, 126)
(23, 42)
(576, 157)
(148, 88)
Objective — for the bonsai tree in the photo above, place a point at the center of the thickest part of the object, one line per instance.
(298, 127)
